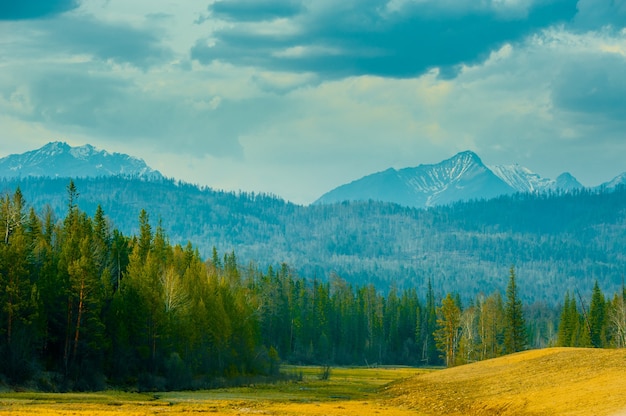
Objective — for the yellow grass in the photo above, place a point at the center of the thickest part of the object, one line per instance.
(556, 381)
(348, 392)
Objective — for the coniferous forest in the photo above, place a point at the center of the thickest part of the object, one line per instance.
(85, 307)
(557, 241)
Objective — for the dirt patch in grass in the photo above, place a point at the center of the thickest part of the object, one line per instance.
(554, 381)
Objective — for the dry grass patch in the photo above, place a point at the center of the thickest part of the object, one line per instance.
(555, 381)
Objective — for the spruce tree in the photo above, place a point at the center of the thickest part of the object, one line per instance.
(515, 327)
(597, 317)
(568, 323)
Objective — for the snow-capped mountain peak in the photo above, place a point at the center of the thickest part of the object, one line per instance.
(59, 159)
(86, 151)
(461, 177)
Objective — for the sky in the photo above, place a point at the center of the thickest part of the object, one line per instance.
(296, 97)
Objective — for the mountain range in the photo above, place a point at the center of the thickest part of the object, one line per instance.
(60, 160)
(463, 177)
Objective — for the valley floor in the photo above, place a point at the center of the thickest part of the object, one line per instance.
(554, 381)
(349, 391)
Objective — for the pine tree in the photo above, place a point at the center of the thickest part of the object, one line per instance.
(597, 317)
(515, 328)
(17, 304)
(568, 323)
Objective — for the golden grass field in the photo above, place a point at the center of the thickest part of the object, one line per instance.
(350, 391)
(556, 381)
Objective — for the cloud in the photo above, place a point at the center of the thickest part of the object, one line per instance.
(255, 10)
(34, 9)
(371, 37)
(595, 87)
(86, 38)
(110, 41)
(599, 13)
(170, 110)
(117, 42)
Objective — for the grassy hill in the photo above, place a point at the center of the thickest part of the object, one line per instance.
(554, 381)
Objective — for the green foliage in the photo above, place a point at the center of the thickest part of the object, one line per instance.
(597, 317)
(515, 337)
(449, 329)
(559, 240)
(87, 306)
(569, 323)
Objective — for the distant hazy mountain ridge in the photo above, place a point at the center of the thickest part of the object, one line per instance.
(460, 178)
(58, 159)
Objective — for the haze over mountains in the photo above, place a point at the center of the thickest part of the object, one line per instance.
(557, 241)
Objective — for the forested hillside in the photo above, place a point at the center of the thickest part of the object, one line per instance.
(83, 306)
(556, 241)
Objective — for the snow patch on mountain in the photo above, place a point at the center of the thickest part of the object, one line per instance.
(522, 179)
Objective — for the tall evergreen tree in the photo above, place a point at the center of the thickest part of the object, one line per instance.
(568, 322)
(597, 317)
(515, 338)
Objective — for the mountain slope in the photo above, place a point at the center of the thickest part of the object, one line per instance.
(553, 381)
(462, 177)
(524, 180)
(618, 181)
(58, 159)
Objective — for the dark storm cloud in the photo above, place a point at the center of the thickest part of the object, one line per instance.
(34, 9)
(255, 10)
(365, 38)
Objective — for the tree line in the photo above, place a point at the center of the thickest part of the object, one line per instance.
(601, 324)
(82, 306)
